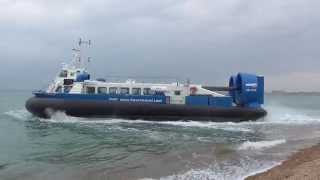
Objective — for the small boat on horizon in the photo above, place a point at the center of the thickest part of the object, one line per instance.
(75, 93)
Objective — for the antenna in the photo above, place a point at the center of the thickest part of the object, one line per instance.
(84, 42)
(77, 61)
(188, 82)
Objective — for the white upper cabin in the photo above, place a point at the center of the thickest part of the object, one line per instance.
(67, 82)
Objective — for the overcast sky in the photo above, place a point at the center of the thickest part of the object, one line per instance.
(204, 40)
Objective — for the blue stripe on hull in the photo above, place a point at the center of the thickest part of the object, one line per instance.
(157, 99)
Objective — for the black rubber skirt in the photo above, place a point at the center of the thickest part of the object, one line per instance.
(44, 107)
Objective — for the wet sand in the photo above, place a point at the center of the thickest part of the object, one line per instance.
(303, 165)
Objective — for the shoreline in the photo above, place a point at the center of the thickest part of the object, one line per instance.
(305, 164)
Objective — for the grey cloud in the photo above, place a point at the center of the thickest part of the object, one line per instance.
(203, 40)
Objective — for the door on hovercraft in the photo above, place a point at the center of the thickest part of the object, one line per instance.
(177, 97)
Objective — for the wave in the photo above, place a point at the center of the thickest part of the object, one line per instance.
(19, 114)
(224, 171)
(248, 145)
(61, 117)
(227, 126)
(277, 114)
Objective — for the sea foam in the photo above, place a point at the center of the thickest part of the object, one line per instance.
(19, 114)
(223, 170)
(248, 145)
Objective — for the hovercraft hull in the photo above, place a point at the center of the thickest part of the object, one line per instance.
(43, 107)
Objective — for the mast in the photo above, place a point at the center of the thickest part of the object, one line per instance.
(78, 60)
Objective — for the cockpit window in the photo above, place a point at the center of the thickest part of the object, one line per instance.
(67, 89)
(63, 73)
(59, 89)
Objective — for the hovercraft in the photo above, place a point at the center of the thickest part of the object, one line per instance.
(76, 94)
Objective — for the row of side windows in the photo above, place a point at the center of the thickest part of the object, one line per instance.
(122, 91)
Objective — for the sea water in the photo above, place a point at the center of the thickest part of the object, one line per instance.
(65, 147)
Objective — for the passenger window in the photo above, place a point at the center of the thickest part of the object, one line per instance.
(124, 91)
(136, 91)
(102, 90)
(113, 90)
(159, 93)
(91, 90)
(177, 93)
(148, 91)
